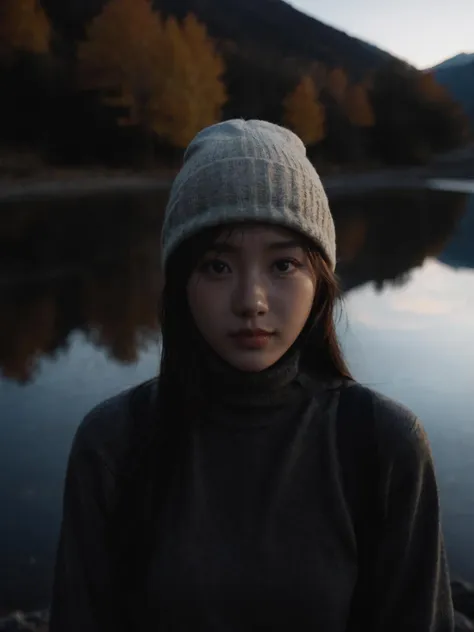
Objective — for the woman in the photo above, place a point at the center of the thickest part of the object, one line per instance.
(255, 485)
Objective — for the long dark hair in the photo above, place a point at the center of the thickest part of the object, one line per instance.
(180, 389)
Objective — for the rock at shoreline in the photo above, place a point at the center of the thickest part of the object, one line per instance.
(21, 622)
(463, 597)
(462, 623)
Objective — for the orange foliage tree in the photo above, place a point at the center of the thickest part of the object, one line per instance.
(304, 113)
(24, 26)
(210, 93)
(358, 107)
(166, 77)
(194, 92)
(123, 59)
(337, 84)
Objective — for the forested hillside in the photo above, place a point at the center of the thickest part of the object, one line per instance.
(129, 82)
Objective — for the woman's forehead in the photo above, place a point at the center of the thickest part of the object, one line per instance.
(256, 233)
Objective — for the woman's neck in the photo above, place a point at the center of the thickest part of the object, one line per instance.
(225, 383)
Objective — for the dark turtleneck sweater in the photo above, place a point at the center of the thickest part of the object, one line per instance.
(259, 533)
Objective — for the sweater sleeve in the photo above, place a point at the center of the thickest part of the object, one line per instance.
(411, 578)
(82, 590)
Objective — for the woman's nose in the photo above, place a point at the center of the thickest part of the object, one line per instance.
(250, 297)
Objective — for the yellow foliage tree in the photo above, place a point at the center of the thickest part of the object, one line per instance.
(337, 83)
(166, 76)
(205, 87)
(193, 94)
(358, 108)
(303, 112)
(123, 57)
(24, 26)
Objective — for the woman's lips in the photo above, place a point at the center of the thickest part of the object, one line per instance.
(252, 340)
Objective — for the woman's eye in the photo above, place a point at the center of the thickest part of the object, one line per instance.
(215, 267)
(286, 265)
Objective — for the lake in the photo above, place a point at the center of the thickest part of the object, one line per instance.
(79, 289)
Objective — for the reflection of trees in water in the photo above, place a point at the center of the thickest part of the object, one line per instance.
(120, 308)
(93, 266)
(383, 237)
(459, 252)
(28, 332)
(88, 266)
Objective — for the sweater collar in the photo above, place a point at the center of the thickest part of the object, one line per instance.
(227, 384)
(221, 383)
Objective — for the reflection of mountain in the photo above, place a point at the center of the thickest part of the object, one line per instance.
(382, 237)
(459, 252)
(93, 266)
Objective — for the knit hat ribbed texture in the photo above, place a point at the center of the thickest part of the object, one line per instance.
(242, 171)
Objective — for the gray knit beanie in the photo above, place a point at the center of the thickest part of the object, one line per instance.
(241, 171)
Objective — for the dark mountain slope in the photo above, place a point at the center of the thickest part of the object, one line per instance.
(458, 60)
(458, 79)
(269, 26)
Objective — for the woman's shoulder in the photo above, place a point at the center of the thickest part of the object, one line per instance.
(365, 416)
(397, 429)
(106, 429)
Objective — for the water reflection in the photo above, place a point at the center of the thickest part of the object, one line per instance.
(93, 266)
(414, 343)
(459, 252)
(79, 289)
(90, 268)
(383, 238)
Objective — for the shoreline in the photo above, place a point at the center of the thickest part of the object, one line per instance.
(76, 185)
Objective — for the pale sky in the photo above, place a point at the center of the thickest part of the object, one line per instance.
(423, 32)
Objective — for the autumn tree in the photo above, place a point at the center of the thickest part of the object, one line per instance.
(24, 27)
(358, 107)
(165, 78)
(303, 112)
(342, 140)
(336, 84)
(27, 73)
(193, 92)
(209, 70)
(123, 58)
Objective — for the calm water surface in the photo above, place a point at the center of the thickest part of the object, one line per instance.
(78, 298)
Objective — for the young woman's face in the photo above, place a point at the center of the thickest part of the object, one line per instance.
(251, 295)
